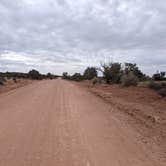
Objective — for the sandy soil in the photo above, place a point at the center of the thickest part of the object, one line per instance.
(11, 85)
(143, 107)
(58, 123)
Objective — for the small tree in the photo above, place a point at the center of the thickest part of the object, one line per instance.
(50, 76)
(65, 75)
(77, 77)
(159, 76)
(90, 73)
(34, 74)
(130, 67)
(112, 72)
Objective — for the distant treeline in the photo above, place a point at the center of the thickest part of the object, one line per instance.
(32, 74)
(89, 74)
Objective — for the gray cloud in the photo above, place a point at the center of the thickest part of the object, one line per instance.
(68, 35)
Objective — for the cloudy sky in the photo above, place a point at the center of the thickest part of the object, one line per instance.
(69, 35)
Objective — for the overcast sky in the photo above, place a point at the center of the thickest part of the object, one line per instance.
(69, 35)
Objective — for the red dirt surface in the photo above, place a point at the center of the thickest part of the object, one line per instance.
(144, 108)
(11, 85)
(59, 123)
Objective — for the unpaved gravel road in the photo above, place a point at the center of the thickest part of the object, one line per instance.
(57, 123)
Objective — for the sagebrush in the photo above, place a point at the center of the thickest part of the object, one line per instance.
(129, 79)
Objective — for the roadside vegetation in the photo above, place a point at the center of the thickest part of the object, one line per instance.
(127, 74)
(32, 74)
(88, 74)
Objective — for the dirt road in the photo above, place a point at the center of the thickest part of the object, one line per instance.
(57, 123)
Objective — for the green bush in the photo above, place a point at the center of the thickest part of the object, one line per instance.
(65, 75)
(90, 73)
(111, 72)
(159, 76)
(132, 67)
(76, 77)
(129, 79)
(34, 74)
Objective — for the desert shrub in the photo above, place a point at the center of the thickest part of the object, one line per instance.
(159, 87)
(34, 74)
(162, 92)
(95, 80)
(129, 79)
(155, 86)
(90, 73)
(111, 72)
(76, 77)
(132, 67)
(159, 76)
(50, 76)
(65, 75)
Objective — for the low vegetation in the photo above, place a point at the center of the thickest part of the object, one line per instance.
(90, 73)
(159, 87)
(127, 74)
(32, 74)
(159, 76)
(155, 85)
(129, 79)
(96, 80)
(112, 72)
